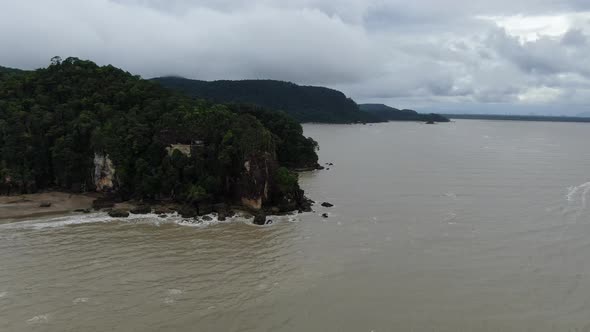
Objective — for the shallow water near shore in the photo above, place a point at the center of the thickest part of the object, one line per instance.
(466, 226)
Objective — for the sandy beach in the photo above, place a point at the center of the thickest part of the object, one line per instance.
(26, 206)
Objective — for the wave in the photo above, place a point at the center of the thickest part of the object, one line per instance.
(577, 199)
(154, 219)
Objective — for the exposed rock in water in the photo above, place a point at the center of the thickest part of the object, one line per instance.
(328, 205)
(221, 208)
(205, 208)
(269, 222)
(142, 209)
(260, 219)
(82, 210)
(206, 218)
(161, 211)
(430, 122)
(325, 215)
(45, 205)
(221, 216)
(104, 173)
(118, 213)
(188, 212)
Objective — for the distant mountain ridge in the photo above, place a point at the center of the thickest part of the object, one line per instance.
(387, 113)
(304, 103)
(7, 70)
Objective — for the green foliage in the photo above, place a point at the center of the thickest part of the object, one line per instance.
(286, 180)
(54, 120)
(386, 113)
(196, 194)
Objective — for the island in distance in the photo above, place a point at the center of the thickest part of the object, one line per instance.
(304, 103)
(387, 113)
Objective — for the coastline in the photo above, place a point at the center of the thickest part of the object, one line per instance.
(56, 203)
(29, 205)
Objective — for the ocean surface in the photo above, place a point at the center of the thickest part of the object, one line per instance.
(465, 226)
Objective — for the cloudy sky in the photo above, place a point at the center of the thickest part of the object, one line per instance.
(501, 56)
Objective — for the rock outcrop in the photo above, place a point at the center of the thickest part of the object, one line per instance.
(118, 213)
(104, 173)
(255, 184)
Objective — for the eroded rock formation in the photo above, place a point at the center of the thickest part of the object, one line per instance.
(104, 173)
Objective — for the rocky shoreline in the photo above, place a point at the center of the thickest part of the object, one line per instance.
(221, 210)
(56, 203)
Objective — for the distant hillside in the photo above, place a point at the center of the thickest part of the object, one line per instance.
(304, 103)
(387, 113)
(10, 71)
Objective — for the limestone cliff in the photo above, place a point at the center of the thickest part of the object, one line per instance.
(256, 180)
(104, 173)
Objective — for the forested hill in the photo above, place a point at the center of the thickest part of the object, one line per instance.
(9, 71)
(304, 103)
(77, 126)
(387, 113)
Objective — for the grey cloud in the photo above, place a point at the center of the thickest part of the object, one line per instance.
(424, 53)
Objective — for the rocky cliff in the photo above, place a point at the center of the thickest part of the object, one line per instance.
(104, 173)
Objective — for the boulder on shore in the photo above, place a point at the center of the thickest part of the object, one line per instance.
(142, 209)
(187, 212)
(205, 208)
(119, 213)
(260, 219)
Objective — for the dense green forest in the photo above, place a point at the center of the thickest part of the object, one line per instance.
(55, 121)
(304, 103)
(5, 71)
(387, 113)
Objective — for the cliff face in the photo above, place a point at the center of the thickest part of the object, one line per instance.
(256, 182)
(104, 173)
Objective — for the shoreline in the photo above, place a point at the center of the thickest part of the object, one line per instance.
(56, 203)
(29, 205)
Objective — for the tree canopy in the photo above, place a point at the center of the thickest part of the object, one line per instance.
(303, 103)
(53, 121)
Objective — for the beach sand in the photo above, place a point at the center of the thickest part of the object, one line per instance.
(26, 206)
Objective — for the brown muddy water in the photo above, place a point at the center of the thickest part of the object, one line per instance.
(467, 226)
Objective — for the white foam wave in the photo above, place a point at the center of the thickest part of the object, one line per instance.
(577, 199)
(156, 220)
(39, 319)
(80, 300)
(573, 190)
(175, 291)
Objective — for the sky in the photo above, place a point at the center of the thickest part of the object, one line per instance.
(462, 56)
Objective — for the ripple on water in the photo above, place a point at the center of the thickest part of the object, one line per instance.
(80, 300)
(39, 319)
